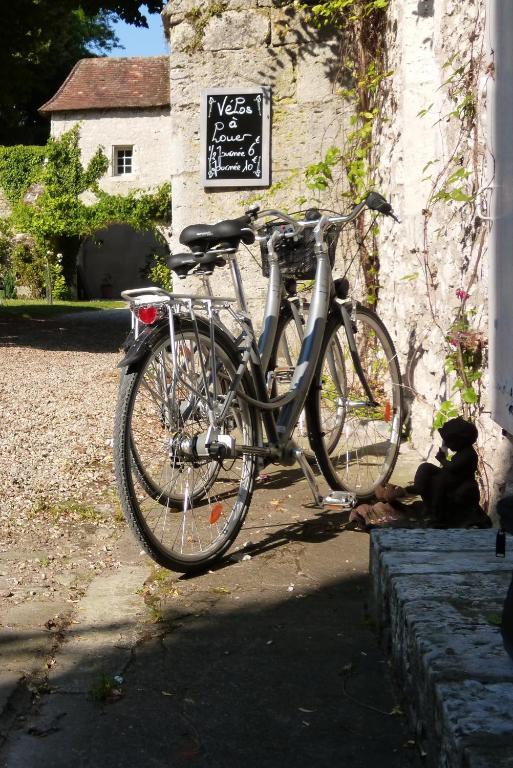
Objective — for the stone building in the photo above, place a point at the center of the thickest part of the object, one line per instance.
(250, 43)
(433, 158)
(122, 104)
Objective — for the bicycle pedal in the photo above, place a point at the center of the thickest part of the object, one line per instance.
(283, 374)
(339, 500)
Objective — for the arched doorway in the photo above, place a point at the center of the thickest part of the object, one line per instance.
(114, 259)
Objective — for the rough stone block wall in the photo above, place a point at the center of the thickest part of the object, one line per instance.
(430, 256)
(250, 43)
(434, 252)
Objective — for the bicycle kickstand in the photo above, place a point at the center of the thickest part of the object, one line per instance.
(334, 499)
(309, 475)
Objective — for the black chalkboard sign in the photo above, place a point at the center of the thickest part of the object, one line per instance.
(235, 147)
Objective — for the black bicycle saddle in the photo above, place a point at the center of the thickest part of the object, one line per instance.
(228, 233)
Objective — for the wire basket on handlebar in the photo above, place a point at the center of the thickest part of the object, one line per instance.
(296, 255)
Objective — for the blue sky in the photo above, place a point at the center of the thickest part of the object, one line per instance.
(139, 41)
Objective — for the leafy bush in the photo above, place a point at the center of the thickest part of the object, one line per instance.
(160, 274)
(19, 166)
(9, 282)
(56, 215)
(29, 267)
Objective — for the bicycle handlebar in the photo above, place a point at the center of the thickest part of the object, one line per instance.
(374, 201)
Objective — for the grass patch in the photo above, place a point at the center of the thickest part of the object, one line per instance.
(73, 510)
(38, 309)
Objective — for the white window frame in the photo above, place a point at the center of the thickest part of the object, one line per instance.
(116, 150)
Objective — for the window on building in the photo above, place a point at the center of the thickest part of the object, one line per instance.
(123, 160)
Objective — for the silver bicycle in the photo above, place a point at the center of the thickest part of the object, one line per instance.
(200, 409)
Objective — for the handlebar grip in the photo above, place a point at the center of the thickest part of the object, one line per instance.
(377, 202)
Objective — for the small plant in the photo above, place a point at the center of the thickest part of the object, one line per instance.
(465, 361)
(118, 515)
(319, 176)
(60, 290)
(160, 274)
(153, 603)
(44, 508)
(104, 690)
(9, 281)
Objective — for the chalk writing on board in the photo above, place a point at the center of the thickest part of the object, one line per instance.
(236, 143)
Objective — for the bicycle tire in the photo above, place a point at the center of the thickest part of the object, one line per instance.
(287, 344)
(369, 435)
(184, 511)
(283, 360)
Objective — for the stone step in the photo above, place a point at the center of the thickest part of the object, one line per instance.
(439, 597)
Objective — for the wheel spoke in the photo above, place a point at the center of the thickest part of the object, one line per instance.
(359, 439)
(185, 509)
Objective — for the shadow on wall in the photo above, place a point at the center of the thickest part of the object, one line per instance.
(115, 259)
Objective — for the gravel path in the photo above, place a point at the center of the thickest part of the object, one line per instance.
(58, 390)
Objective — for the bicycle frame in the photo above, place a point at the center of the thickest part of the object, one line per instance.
(279, 416)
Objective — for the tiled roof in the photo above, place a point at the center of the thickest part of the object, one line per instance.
(113, 83)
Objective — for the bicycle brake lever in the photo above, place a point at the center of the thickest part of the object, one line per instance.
(253, 211)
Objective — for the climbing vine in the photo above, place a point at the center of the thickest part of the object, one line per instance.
(361, 24)
(456, 185)
(45, 186)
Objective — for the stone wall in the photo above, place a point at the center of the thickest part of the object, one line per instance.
(439, 245)
(436, 249)
(147, 130)
(251, 43)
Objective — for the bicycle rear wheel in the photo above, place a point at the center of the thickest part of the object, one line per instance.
(367, 434)
(185, 508)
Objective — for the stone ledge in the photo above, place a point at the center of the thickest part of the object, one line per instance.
(438, 595)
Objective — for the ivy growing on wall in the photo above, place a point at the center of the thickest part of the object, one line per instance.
(361, 24)
(456, 185)
(17, 165)
(46, 188)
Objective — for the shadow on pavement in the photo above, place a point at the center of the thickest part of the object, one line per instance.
(88, 331)
(260, 677)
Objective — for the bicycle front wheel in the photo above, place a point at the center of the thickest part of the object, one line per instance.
(356, 441)
(185, 507)
(287, 346)
(289, 337)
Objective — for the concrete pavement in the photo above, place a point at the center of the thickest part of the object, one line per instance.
(270, 660)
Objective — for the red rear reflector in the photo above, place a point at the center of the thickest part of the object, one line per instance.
(388, 411)
(147, 315)
(216, 512)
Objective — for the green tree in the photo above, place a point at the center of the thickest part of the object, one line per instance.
(40, 41)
